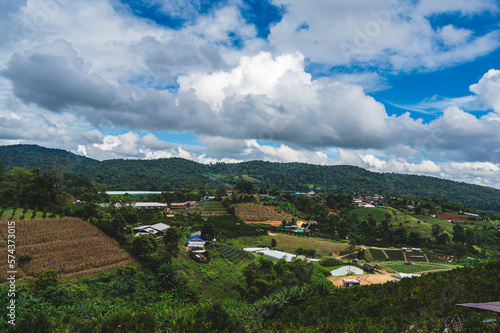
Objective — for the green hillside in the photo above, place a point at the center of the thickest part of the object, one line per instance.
(174, 173)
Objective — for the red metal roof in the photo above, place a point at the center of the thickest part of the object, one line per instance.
(490, 306)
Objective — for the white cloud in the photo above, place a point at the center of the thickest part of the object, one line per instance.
(488, 89)
(397, 35)
(453, 36)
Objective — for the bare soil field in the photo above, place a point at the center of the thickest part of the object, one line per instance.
(366, 279)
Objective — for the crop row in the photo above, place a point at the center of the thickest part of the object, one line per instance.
(395, 255)
(67, 245)
(233, 254)
(378, 255)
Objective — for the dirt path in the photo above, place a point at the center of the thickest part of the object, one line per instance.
(366, 279)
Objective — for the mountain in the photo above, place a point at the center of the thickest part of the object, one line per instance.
(174, 173)
(33, 156)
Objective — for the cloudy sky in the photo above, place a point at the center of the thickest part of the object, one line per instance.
(392, 86)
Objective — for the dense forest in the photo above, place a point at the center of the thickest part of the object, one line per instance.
(175, 173)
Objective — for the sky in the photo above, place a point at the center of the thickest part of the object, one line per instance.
(391, 86)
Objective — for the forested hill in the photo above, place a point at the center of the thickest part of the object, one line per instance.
(174, 173)
(33, 156)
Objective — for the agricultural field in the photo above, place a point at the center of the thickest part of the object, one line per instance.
(259, 212)
(290, 243)
(21, 214)
(395, 255)
(377, 255)
(419, 267)
(207, 208)
(70, 246)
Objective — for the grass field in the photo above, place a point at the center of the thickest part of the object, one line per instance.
(290, 243)
(70, 246)
(418, 267)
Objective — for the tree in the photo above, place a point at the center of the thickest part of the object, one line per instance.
(144, 245)
(171, 240)
(436, 230)
(443, 238)
(244, 186)
(469, 237)
(273, 243)
(458, 234)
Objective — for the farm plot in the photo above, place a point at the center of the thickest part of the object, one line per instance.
(419, 267)
(259, 212)
(378, 255)
(233, 254)
(212, 208)
(69, 246)
(395, 255)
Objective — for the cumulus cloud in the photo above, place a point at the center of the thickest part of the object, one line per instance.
(54, 77)
(397, 35)
(488, 89)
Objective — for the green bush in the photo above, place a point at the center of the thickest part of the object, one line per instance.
(24, 258)
(327, 262)
(306, 252)
(47, 278)
(211, 317)
(126, 321)
(144, 245)
(35, 321)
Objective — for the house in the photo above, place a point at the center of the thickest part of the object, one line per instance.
(158, 229)
(181, 205)
(350, 282)
(196, 242)
(369, 268)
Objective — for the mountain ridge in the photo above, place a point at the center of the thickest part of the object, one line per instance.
(172, 173)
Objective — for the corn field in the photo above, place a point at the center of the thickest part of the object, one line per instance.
(70, 246)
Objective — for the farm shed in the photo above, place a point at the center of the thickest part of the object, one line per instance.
(154, 229)
(255, 249)
(369, 268)
(350, 282)
(183, 205)
(149, 205)
(277, 255)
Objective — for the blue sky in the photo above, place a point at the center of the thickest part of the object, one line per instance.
(391, 86)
